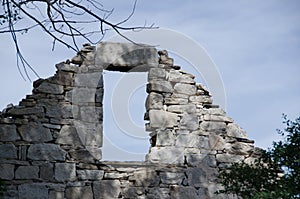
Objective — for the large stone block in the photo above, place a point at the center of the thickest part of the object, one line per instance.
(165, 138)
(233, 130)
(89, 154)
(79, 192)
(158, 193)
(8, 151)
(189, 121)
(33, 191)
(156, 73)
(68, 135)
(65, 172)
(192, 141)
(27, 172)
(90, 174)
(160, 86)
(91, 114)
(125, 56)
(90, 80)
(187, 108)
(82, 95)
(229, 158)
(46, 87)
(187, 89)
(176, 76)
(166, 155)
(46, 152)
(183, 192)
(154, 101)
(171, 178)
(162, 119)
(35, 132)
(199, 99)
(7, 171)
(146, 178)
(8, 132)
(213, 126)
(60, 111)
(106, 189)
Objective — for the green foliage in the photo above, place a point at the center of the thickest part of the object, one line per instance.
(275, 175)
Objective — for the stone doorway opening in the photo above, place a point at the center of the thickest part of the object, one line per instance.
(124, 134)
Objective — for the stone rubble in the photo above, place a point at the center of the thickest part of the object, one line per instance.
(50, 144)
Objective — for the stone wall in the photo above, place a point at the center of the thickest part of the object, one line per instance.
(50, 144)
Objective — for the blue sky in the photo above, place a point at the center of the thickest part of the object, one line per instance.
(255, 45)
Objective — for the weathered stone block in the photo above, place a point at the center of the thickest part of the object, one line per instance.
(90, 80)
(218, 118)
(82, 95)
(106, 189)
(35, 132)
(189, 121)
(46, 87)
(156, 73)
(46, 152)
(229, 158)
(27, 172)
(90, 174)
(171, 178)
(198, 160)
(183, 192)
(162, 119)
(166, 155)
(47, 171)
(201, 99)
(187, 108)
(125, 56)
(154, 101)
(174, 101)
(89, 154)
(8, 151)
(8, 133)
(233, 130)
(33, 191)
(176, 76)
(65, 172)
(79, 192)
(165, 138)
(216, 142)
(158, 193)
(56, 195)
(68, 135)
(160, 86)
(239, 148)
(91, 114)
(60, 111)
(213, 126)
(7, 171)
(192, 141)
(187, 89)
(26, 111)
(146, 178)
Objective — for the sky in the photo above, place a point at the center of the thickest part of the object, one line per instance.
(254, 44)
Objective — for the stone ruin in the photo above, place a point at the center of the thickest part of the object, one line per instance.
(50, 144)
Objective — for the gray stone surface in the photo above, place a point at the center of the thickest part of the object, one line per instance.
(146, 178)
(89, 80)
(183, 192)
(171, 178)
(106, 189)
(27, 172)
(187, 89)
(126, 56)
(83, 95)
(35, 132)
(46, 152)
(160, 86)
(46, 87)
(165, 138)
(229, 158)
(65, 172)
(56, 195)
(162, 119)
(79, 192)
(7, 171)
(47, 171)
(187, 108)
(8, 151)
(156, 73)
(201, 99)
(176, 76)
(90, 174)
(166, 155)
(33, 191)
(8, 133)
(154, 101)
(68, 135)
(189, 121)
(234, 130)
(213, 126)
(91, 114)
(192, 141)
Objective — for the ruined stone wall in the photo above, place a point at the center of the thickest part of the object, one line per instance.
(50, 144)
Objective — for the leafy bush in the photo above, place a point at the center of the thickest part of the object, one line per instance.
(275, 175)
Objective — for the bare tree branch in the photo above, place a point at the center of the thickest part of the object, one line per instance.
(67, 22)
